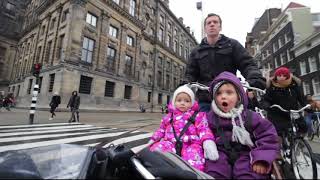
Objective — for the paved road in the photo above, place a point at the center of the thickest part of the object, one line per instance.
(150, 121)
(102, 127)
(15, 137)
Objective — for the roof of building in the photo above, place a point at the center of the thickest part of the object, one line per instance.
(294, 5)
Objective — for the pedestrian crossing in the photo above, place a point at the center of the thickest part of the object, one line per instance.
(29, 136)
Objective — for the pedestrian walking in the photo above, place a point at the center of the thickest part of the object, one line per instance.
(74, 103)
(54, 103)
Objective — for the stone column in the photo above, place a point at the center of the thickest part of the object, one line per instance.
(77, 20)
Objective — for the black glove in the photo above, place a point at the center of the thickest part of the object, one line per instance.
(258, 82)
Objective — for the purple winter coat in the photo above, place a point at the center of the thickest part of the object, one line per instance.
(262, 133)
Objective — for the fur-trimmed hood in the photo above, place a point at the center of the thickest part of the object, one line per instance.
(272, 80)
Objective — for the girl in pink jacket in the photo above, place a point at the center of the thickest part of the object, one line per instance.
(185, 131)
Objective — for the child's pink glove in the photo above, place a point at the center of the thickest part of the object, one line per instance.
(210, 150)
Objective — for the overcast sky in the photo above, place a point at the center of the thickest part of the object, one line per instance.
(237, 15)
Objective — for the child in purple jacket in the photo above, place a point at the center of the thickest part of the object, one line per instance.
(185, 131)
(247, 143)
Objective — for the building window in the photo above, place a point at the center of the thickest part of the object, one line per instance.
(116, 1)
(306, 88)
(159, 98)
(43, 29)
(186, 53)
(160, 34)
(29, 86)
(48, 52)
(289, 55)
(149, 80)
(159, 79)
(168, 42)
(175, 46)
(312, 64)
(175, 32)
(169, 27)
(109, 89)
(167, 82)
(303, 68)
(91, 19)
(87, 50)
(38, 54)
(280, 41)
(18, 91)
(283, 58)
(287, 38)
(53, 22)
(60, 47)
(149, 97)
(161, 19)
(10, 6)
(51, 82)
(128, 65)
(132, 7)
(175, 83)
(160, 62)
(85, 84)
(113, 31)
(316, 85)
(180, 50)
(40, 84)
(111, 58)
(64, 15)
(130, 40)
(127, 92)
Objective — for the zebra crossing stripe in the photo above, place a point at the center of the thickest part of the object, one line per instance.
(46, 128)
(49, 131)
(59, 141)
(25, 138)
(129, 139)
(37, 135)
(38, 125)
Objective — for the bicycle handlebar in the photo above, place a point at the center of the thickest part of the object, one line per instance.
(246, 85)
(198, 86)
(293, 111)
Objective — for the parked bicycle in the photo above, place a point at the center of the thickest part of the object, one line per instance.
(295, 149)
(315, 125)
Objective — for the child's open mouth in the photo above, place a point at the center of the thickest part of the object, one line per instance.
(224, 104)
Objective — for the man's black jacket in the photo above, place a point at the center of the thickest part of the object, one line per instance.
(208, 61)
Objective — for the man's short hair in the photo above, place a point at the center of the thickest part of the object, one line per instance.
(212, 14)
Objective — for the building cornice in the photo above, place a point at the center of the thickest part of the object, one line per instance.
(124, 13)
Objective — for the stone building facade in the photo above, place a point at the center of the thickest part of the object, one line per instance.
(11, 18)
(274, 48)
(118, 54)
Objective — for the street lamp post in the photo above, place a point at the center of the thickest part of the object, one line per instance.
(199, 7)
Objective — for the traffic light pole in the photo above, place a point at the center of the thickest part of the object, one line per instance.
(34, 100)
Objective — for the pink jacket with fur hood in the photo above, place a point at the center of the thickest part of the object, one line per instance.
(196, 133)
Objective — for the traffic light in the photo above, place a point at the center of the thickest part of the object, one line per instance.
(36, 69)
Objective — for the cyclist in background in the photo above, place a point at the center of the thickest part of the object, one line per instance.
(283, 89)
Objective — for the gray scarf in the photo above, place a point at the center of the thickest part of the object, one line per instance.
(239, 133)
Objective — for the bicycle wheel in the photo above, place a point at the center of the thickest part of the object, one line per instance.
(302, 161)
